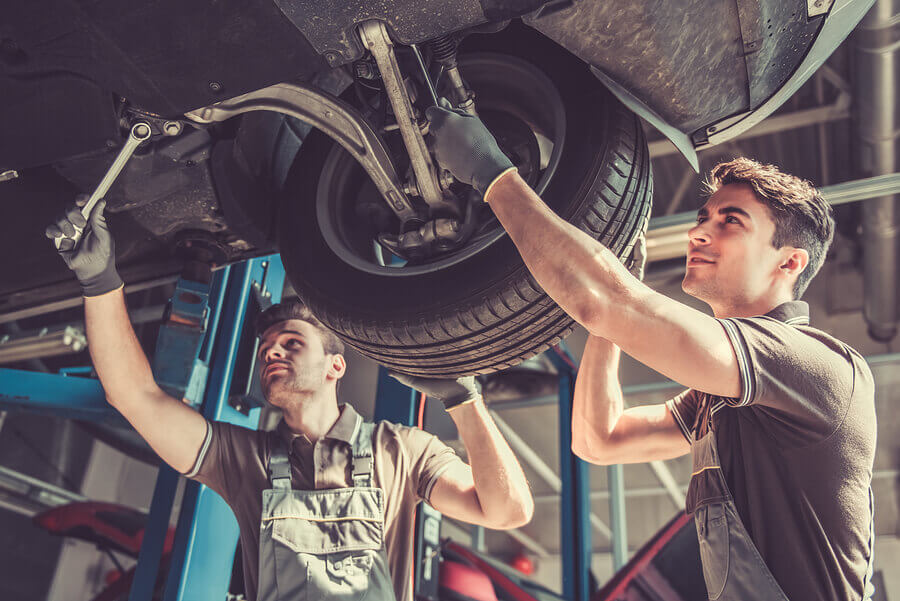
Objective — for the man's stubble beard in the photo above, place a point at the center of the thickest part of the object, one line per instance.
(709, 289)
(282, 390)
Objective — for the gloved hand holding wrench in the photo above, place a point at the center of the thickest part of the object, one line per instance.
(82, 237)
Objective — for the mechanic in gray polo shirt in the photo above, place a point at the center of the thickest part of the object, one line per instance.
(779, 417)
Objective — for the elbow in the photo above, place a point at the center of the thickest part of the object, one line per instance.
(516, 517)
(593, 451)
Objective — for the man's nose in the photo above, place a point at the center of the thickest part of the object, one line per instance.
(698, 236)
(274, 352)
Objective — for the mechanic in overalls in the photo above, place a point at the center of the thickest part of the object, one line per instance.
(325, 502)
(778, 416)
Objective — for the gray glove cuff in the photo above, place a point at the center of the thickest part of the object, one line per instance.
(489, 168)
(106, 281)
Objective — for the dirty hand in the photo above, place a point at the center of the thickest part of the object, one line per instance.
(465, 147)
(93, 260)
(452, 393)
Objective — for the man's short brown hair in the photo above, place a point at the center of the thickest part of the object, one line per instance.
(803, 219)
(294, 308)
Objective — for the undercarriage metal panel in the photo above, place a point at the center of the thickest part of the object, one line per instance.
(166, 56)
(842, 19)
(702, 70)
(330, 25)
(681, 59)
(47, 119)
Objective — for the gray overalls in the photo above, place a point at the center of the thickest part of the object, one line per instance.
(324, 544)
(732, 566)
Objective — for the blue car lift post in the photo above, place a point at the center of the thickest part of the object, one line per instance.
(575, 503)
(201, 339)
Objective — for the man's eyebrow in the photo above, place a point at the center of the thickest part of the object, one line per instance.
(735, 211)
(703, 212)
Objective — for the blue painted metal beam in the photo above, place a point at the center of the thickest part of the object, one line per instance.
(394, 402)
(207, 532)
(616, 481)
(575, 508)
(57, 395)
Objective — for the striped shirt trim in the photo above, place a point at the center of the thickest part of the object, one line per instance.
(440, 472)
(202, 454)
(800, 320)
(685, 431)
(743, 357)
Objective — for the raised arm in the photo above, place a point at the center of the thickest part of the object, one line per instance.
(172, 429)
(603, 431)
(491, 490)
(583, 276)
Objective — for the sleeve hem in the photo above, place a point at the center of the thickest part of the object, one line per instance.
(748, 389)
(434, 478)
(202, 454)
(679, 420)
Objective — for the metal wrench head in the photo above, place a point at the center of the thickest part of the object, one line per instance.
(140, 131)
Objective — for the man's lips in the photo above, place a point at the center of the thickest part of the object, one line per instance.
(274, 366)
(699, 260)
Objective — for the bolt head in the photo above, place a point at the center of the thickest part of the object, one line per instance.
(215, 86)
(172, 128)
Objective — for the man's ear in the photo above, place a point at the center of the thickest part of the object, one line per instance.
(338, 367)
(794, 262)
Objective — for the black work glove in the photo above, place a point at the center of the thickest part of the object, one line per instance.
(639, 257)
(93, 260)
(452, 393)
(465, 147)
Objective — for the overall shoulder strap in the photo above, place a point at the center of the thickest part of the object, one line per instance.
(363, 462)
(279, 466)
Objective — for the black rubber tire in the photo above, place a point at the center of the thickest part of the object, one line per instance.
(487, 312)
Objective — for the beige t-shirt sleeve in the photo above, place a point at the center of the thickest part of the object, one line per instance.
(428, 456)
(225, 451)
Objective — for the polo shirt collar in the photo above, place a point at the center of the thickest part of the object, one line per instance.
(795, 313)
(344, 428)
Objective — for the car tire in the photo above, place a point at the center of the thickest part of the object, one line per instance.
(487, 312)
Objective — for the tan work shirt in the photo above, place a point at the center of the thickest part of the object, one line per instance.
(797, 451)
(408, 461)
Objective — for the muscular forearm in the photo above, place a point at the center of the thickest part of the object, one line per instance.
(598, 402)
(500, 484)
(117, 355)
(579, 273)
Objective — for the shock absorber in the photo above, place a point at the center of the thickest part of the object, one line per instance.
(443, 51)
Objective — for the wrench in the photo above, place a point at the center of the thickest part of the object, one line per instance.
(421, 61)
(140, 131)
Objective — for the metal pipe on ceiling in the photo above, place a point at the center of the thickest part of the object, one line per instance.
(877, 126)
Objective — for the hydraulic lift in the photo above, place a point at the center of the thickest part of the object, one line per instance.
(205, 355)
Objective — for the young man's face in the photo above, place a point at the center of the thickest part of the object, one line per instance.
(292, 360)
(731, 260)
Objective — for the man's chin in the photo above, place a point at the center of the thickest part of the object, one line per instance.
(699, 289)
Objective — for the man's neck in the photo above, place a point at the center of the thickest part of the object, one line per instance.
(759, 306)
(311, 416)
